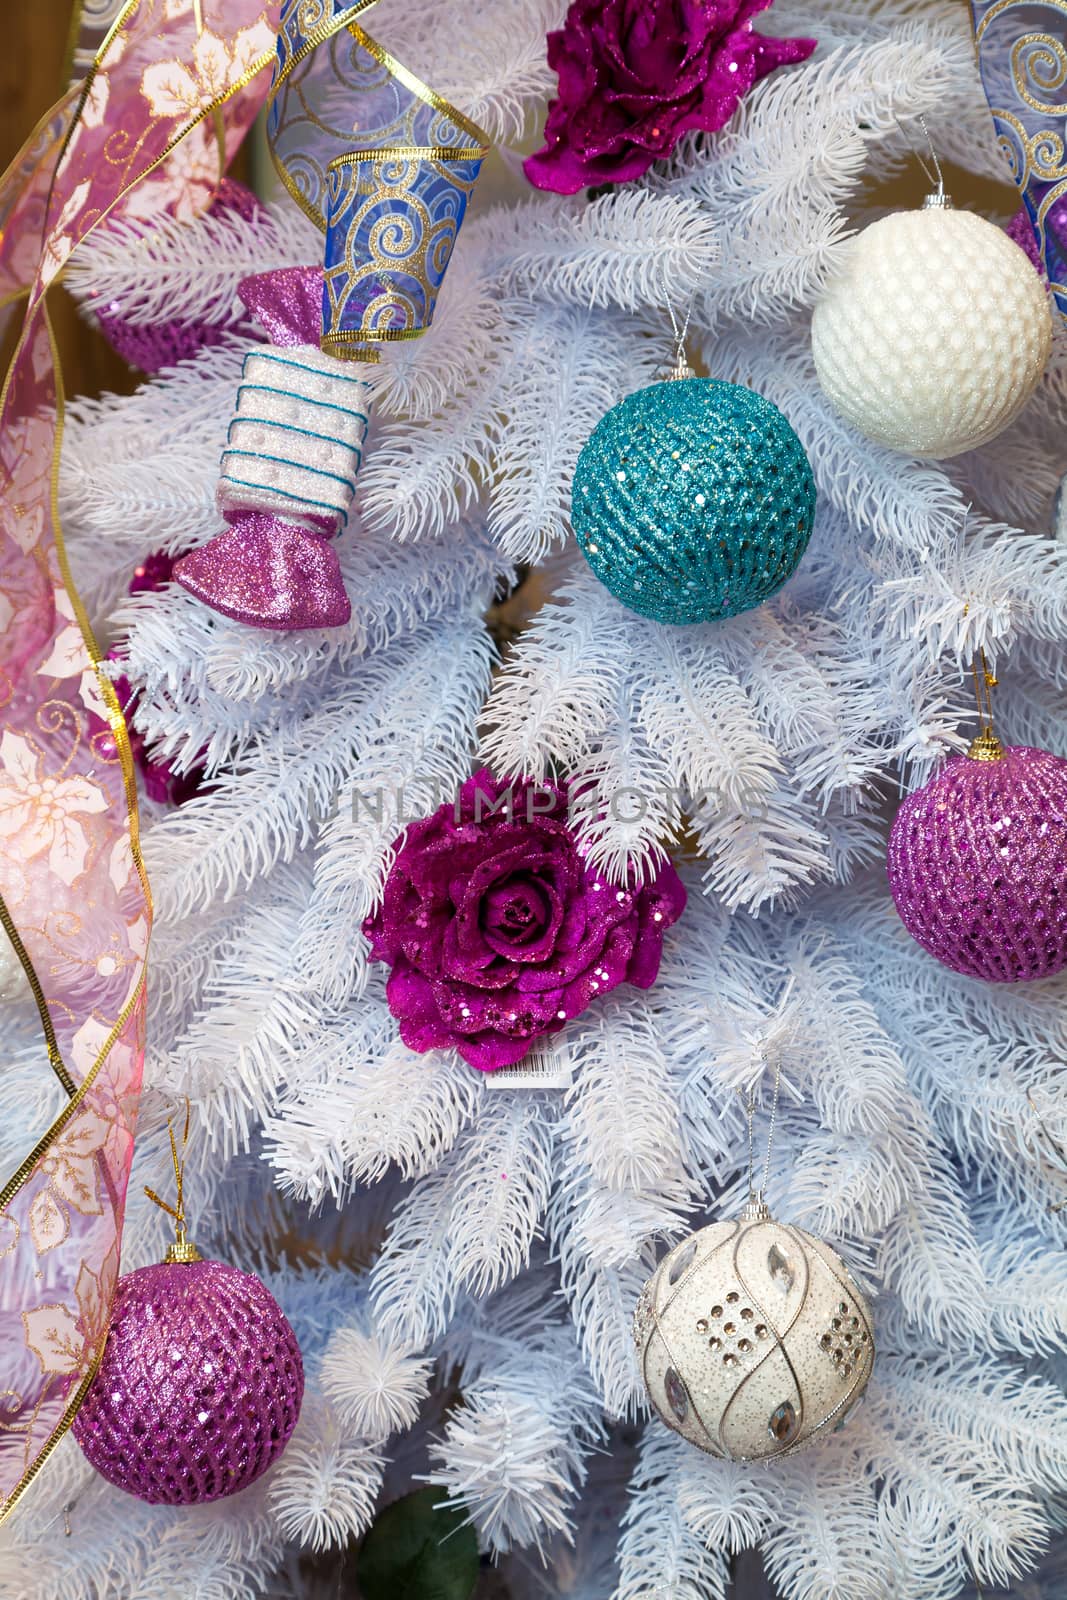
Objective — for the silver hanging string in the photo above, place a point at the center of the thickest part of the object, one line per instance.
(938, 198)
(681, 368)
(756, 1196)
(930, 178)
(679, 338)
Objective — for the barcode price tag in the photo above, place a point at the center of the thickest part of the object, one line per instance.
(543, 1067)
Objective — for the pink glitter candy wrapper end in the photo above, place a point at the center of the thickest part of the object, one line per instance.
(978, 865)
(199, 1388)
(287, 304)
(268, 574)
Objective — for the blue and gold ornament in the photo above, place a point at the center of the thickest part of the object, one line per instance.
(390, 210)
(1022, 55)
(693, 500)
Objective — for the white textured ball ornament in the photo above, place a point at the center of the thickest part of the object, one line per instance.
(935, 333)
(13, 983)
(753, 1338)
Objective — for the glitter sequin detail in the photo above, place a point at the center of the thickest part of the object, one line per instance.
(675, 1390)
(978, 865)
(200, 1385)
(693, 500)
(783, 1423)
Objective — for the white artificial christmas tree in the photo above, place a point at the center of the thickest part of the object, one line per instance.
(461, 1260)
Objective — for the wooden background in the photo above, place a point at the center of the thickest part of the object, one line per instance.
(31, 79)
(33, 67)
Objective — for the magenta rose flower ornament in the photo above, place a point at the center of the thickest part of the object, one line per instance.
(497, 929)
(634, 75)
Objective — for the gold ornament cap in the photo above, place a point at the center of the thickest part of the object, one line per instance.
(986, 747)
(183, 1251)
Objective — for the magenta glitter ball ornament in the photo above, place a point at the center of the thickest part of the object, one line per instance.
(199, 1388)
(978, 863)
(150, 346)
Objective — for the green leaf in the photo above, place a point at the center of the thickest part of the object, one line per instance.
(419, 1549)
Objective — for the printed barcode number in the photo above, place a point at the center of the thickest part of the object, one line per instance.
(540, 1069)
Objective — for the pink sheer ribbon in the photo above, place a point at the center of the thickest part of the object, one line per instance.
(172, 91)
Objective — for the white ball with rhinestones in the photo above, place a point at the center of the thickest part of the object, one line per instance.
(934, 334)
(753, 1339)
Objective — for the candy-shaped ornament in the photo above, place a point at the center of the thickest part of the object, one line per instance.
(288, 471)
(978, 862)
(693, 499)
(200, 1384)
(389, 225)
(753, 1338)
(935, 332)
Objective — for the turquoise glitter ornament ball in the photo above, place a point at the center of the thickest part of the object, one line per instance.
(693, 500)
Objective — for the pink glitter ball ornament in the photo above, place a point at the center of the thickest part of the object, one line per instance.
(150, 346)
(978, 863)
(200, 1385)
(1021, 231)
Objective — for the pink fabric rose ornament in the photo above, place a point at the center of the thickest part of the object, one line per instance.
(634, 75)
(498, 930)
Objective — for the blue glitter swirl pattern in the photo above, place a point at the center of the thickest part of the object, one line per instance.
(693, 500)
